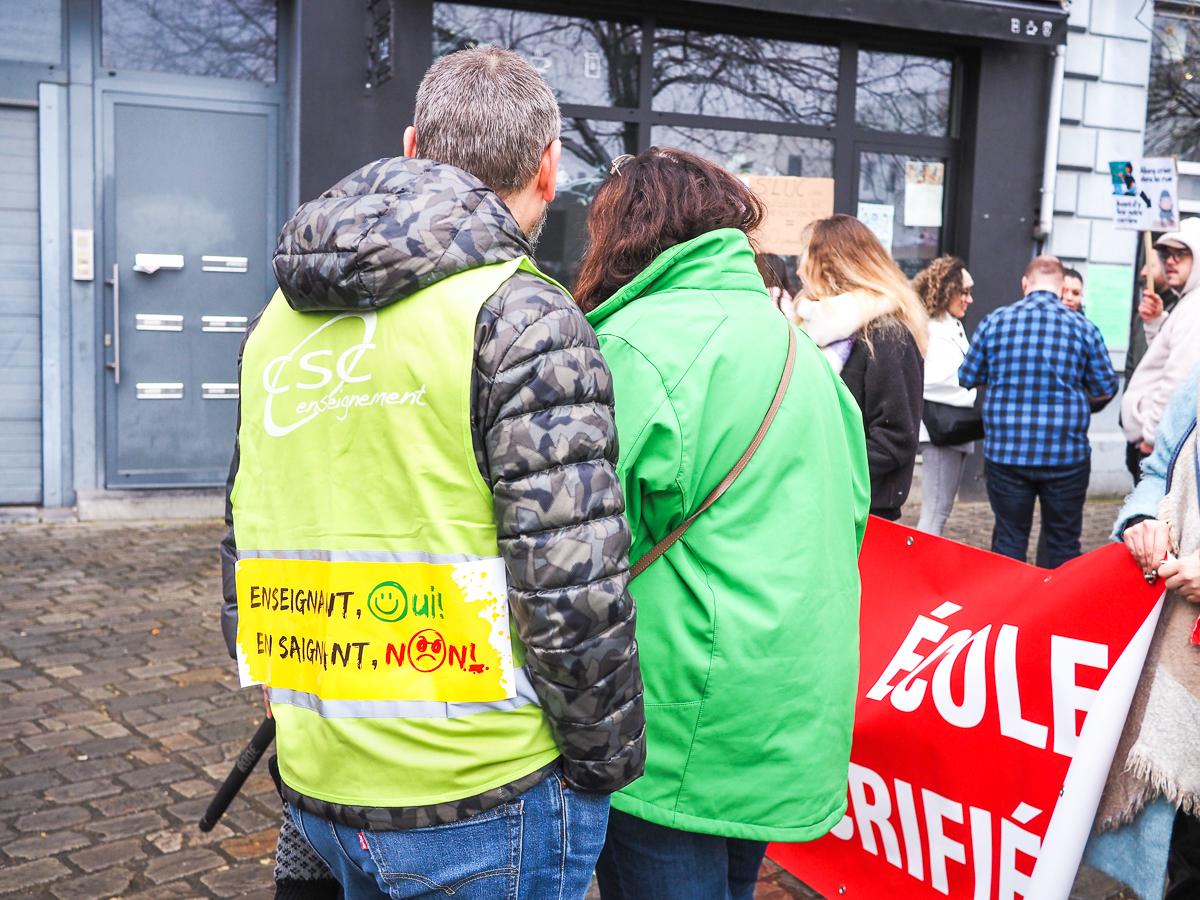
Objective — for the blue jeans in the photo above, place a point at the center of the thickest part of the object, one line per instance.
(641, 860)
(541, 846)
(1062, 491)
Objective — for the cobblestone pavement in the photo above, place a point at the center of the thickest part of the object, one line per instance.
(120, 714)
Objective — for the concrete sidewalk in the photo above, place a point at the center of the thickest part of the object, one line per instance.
(121, 714)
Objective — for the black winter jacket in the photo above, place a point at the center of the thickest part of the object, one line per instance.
(888, 384)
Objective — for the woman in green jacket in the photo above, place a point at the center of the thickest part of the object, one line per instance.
(748, 624)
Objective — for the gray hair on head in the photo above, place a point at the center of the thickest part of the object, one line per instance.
(487, 111)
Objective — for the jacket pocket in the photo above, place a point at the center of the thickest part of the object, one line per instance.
(670, 731)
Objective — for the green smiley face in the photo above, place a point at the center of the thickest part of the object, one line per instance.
(388, 602)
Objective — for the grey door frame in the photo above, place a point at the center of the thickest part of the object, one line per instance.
(53, 166)
(180, 92)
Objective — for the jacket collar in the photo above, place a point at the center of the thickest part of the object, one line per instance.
(720, 260)
(1042, 298)
(388, 230)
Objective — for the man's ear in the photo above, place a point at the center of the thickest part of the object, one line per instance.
(1024, 285)
(547, 177)
(410, 142)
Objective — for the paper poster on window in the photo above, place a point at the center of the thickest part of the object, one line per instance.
(1108, 302)
(881, 219)
(791, 203)
(923, 191)
(1145, 194)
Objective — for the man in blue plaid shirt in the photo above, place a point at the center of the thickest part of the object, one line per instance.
(1046, 369)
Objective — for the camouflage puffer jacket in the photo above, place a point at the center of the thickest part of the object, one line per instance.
(544, 437)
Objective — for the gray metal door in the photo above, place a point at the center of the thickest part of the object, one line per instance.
(192, 208)
(20, 310)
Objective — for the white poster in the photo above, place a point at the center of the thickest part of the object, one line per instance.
(923, 191)
(881, 219)
(1145, 194)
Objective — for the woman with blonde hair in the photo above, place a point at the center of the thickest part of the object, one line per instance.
(944, 286)
(860, 309)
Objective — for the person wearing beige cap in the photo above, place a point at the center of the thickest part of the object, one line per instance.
(1174, 339)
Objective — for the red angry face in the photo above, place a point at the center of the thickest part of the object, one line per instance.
(427, 650)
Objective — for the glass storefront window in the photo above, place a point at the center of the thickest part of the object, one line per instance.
(724, 97)
(585, 61)
(1173, 100)
(221, 38)
(32, 31)
(902, 93)
(908, 193)
(744, 78)
(589, 146)
(747, 153)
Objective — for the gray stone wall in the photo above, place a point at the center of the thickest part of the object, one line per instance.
(1103, 119)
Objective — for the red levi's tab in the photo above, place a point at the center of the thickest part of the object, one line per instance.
(991, 698)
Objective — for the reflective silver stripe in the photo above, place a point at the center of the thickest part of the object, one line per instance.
(404, 709)
(385, 556)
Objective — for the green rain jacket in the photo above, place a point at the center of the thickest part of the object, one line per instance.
(748, 626)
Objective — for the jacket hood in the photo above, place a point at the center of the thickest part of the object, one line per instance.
(390, 229)
(716, 260)
(1189, 236)
(837, 318)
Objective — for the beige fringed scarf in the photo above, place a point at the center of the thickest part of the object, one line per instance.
(1159, 751)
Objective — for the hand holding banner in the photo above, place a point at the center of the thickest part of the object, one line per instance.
(991, 698)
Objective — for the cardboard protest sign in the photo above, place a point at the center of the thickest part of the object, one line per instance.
(365, 630)
(791, 203)
(991, 698)
(1145, 194)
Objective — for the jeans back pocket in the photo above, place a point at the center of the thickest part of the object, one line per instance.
(471, 858)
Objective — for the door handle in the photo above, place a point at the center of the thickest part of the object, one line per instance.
(115, 337)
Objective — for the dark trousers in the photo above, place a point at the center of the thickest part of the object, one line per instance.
(641, 860)
(1133, 461)
(1061, 490)
(1183, 864)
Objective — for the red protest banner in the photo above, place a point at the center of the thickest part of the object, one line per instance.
(991, 698)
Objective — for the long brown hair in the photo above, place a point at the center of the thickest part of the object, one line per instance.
(843, 255)
(650, 202)
(939, 284)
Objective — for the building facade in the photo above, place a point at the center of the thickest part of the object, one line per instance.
(1127, 92)
(150, 149)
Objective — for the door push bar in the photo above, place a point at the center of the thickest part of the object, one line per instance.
(114, 339)
(149, 263)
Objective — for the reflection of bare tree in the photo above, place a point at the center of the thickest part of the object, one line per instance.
(1173, 102)
(745, 78)
(596, 63)
(903, 93)
(225, 38)
(596, 143)
(586, 61)
(880, 177)
(753, 153)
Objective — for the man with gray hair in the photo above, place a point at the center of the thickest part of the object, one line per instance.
(430, 564)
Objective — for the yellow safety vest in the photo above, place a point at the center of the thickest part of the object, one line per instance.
(372, 599)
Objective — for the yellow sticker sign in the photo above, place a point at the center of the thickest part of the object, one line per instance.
(376, 630)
